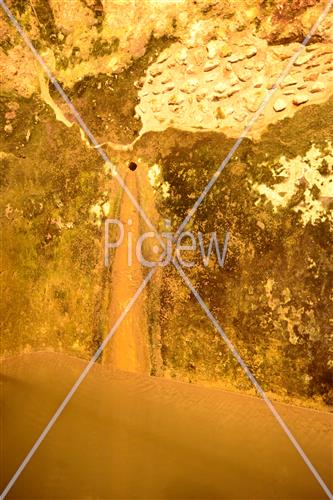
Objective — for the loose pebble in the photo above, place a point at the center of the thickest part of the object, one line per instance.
(252, 103)
(260, 66)
(279, 105)
(251, 52)
(300, 99)
(244, 75)
(313, 64)
(169, 86)
(317, 87)
(233, 90)
(211, 65)
(236, 58)
(288, 80)
(311, 47)
(211, 50)
(302, 59)
(258, 82)
(249, 65)
(190, 86)
(233, 80)
(210, 77)
(221, 87)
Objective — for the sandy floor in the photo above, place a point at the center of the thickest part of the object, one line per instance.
(133, 436)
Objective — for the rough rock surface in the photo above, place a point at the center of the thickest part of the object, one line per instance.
(240, 82)
(79, 39)
(171, 90)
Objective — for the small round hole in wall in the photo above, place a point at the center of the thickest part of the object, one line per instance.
(132, 166)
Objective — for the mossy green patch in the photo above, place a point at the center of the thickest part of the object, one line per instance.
(272, 295)
(55, 287)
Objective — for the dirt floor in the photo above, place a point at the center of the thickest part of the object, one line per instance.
(128, 350)
(129, 436)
